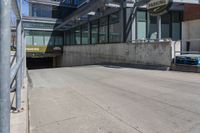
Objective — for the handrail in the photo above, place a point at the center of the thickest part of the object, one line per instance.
(15, 69)
(13, 59)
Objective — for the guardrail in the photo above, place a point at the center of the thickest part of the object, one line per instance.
(11, 70)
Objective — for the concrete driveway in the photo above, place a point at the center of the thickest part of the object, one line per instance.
(103, 99)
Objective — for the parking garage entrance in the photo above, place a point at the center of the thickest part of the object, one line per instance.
(40, 63)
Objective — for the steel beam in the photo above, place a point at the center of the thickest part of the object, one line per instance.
(92, 5)
(53, 3)
(16, 9)
(15, 69)
(5, 41)
(187, 1)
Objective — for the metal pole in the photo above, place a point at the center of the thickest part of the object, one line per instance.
(23, 55)
(18, 59)
(5, 42)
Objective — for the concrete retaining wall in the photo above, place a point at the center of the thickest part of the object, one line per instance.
(142, 53)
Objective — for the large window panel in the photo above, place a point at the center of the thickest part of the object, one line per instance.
(141, 24)
(103, 30)
(67, 38)
(38, 40)
(153, 27)
(78, 35)
(176, 26)
(94, 32)
(85, 34)
(114, 28)
(165, 27)
(58, 40)
(49, 40)
(29, 40)
(39, 10)
(72, 37)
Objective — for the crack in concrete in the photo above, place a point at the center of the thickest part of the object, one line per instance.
(54, 122)
(118, 118)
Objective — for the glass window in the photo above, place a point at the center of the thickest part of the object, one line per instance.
(94, 32)
(114, 28)
(153, 27)
(165, 27)
(38, 25)
(103, 30)
(72, 36)
(141, 24)
(176, 26)
(85, 34)
(77, 33)
(49, 40)
(58, 40)
(29, 40)
(39, 10)
(49, 11)
(67, 38)
(38, 40)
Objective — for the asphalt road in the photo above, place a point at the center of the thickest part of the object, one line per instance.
(104, 99)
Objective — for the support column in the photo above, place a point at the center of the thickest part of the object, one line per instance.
(159, 27)
(5, 42)
(18, 59)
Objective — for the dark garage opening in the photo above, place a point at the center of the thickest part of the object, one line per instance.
(39, 63)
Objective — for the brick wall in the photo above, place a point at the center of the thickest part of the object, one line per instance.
(191, 12)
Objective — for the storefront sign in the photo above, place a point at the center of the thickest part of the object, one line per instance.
(158, 7)
(43, 49)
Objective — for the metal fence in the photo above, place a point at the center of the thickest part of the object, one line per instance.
(191, 46)
(12, 70)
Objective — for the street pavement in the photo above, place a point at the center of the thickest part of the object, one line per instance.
(111, 99)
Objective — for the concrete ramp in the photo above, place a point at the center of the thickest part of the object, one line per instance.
(113, 99)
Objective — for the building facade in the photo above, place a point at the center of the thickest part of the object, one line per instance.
(52, 24)
(191, 27)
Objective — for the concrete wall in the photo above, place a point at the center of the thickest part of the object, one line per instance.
(191, 31)
(148, 54)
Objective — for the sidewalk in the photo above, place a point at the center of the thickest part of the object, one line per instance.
(19, 121)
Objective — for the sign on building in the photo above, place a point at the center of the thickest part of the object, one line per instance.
(158, 7)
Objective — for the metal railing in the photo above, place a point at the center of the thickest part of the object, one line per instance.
(185, 47)
(11, 70)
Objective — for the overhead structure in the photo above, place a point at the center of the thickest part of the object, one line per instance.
(90, 7)
(187, 1)
(55, 3)
(16, 9)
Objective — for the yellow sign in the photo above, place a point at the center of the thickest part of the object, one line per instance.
(43, 49)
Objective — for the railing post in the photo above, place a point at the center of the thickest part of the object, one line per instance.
(18, 59)
(5, 42)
